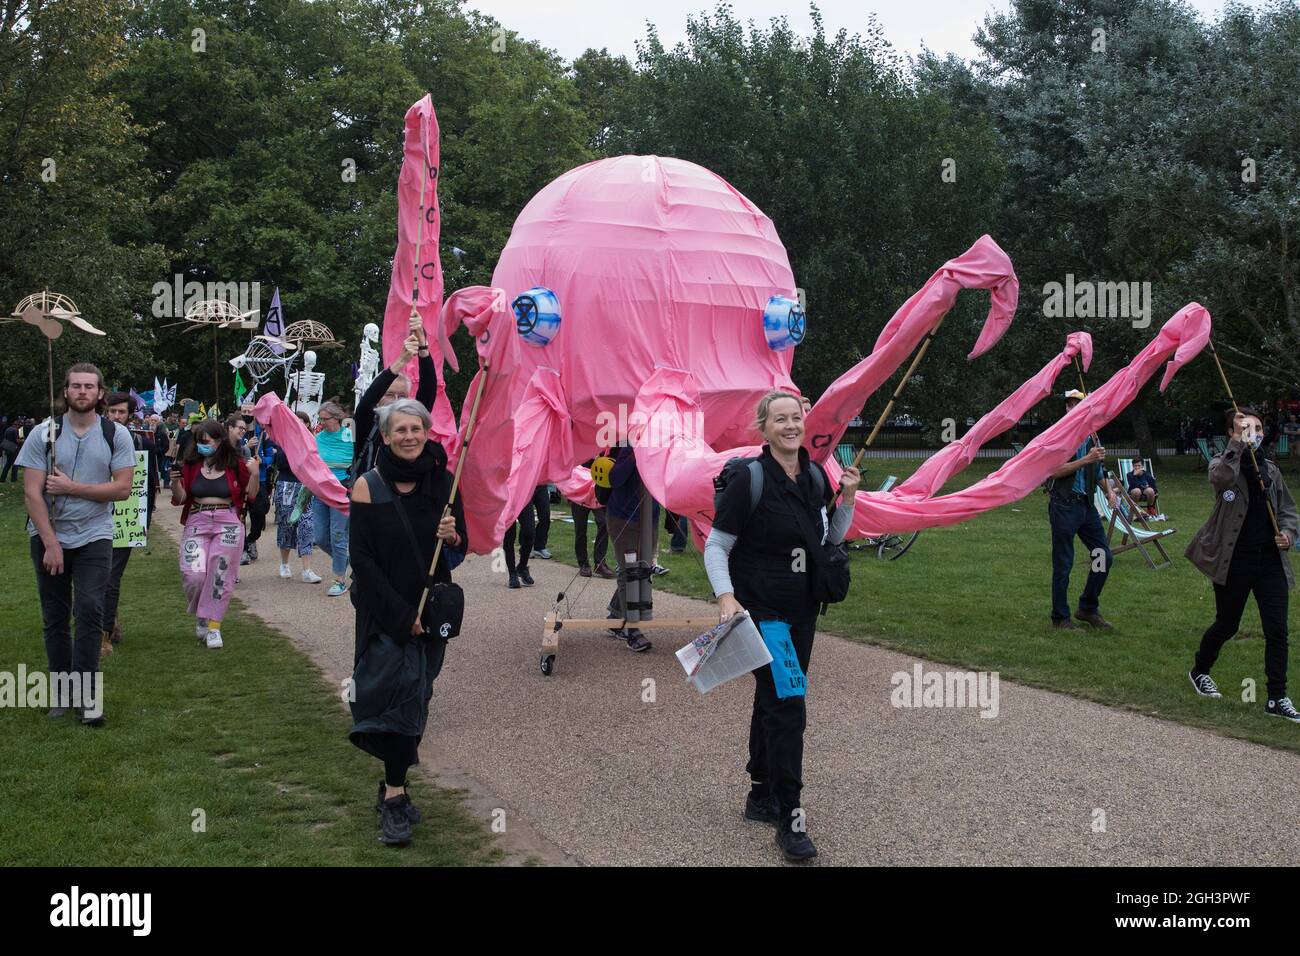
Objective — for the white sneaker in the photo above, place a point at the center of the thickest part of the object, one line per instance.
(214, 640)
(336, 589)
(311, 577)
(286, 571)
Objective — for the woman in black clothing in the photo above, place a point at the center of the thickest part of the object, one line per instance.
(759, 557)
(391, 704)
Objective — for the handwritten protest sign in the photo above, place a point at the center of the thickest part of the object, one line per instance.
(130, 517)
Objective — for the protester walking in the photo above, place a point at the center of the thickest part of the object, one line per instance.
(391, 385)
(753, 560)
(1242, 553)
(118, 410)
(397, 510)
(335, 444)
(213, 483)
(290, 499)
(70, 523)
(1071, 511)
(624, 520)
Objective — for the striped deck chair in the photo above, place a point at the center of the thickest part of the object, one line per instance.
(1126, 468)
(1220, 444)
(1283, 447)
(1132, 536)
(1206, 453)
(844, 454)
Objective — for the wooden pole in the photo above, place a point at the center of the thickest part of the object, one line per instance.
(1259, 475)
(49, 429)
(455, 481)
(920, 354)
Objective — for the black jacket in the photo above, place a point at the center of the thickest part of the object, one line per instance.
(771, 564)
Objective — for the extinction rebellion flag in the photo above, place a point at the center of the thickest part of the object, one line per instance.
(273, 328)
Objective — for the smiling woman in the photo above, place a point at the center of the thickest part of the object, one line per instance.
(396, 508)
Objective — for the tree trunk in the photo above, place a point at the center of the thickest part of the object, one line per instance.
(1146, 442)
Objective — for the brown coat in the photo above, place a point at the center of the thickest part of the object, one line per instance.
(1211, 548)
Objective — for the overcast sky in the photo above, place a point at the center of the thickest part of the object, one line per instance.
(571, 26)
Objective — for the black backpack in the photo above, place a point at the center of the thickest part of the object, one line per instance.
(753, 470)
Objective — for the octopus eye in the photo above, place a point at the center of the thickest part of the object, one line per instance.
(784, 323)
(537, 315)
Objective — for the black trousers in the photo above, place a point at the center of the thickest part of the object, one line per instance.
(78, 591)
(1260, 573)
(113, 590)
(399, 754)
(776, 728)
(10, 468)
(542, 502)
(1070, 517)
(257, 511)
(527, 529)
(580, 513)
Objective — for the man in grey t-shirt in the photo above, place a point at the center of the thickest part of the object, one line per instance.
(70, 521)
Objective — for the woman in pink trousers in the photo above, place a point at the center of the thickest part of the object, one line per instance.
(213, 483)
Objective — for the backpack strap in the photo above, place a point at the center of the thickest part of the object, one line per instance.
(819, 483)
(380, 493)
(755, 469)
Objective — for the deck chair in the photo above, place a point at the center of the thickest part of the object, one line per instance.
(1206, 453)
(844, 454)
(1016, 448)
(1137, 536)
(1283, 447)
(889, 482)
(1126, 468)
(1220, 444)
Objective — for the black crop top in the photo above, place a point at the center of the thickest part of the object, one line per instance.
(210, 487)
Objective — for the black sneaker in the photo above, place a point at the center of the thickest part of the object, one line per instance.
(394, 824)
(1064, 624)
(636, 641)
(525, 578)
(412, 811)
(514, 581)
(762, 811)
(658, 569)
(1282, 708)
(797, 847)
(585, 570)
(1203, 684)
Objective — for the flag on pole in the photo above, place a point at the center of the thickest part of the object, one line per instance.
(273, 327)
(240, 388)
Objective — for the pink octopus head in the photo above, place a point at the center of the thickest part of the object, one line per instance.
(652, 262)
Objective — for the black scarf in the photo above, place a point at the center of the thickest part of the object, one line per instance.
(432, 458)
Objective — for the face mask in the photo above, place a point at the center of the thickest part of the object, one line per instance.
(1256, 442)
(206, 450)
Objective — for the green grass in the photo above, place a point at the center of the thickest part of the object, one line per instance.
(251, 735)
(978, 595)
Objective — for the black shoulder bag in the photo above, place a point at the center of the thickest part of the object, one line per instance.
(830, 562)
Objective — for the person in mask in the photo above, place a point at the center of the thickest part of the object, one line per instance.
(1242, 553)
(213, 485)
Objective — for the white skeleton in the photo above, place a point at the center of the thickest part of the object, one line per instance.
(369, 361)
(310, 386)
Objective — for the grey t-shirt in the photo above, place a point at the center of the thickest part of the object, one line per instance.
(86, 459)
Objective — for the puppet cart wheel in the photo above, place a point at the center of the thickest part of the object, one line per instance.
(893, 546)
(548, 664)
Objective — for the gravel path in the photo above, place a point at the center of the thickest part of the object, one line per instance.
(587, 771)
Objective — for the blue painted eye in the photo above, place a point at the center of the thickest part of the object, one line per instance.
(537, 315)
(784, 323)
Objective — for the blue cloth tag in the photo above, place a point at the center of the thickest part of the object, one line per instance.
(787, 675)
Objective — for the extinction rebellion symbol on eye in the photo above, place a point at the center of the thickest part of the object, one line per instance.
(821, 441)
